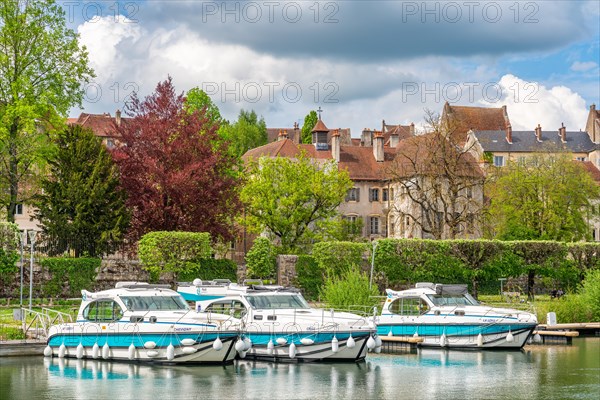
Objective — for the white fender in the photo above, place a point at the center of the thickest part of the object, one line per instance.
(189, 350)
(95, 351)
(281, 341)
(152, 353)
(105, 351)
(371, 344)
(217, 344)
(243, 354)
(239, 345)
(79, 351)
(351, 342)
(48, 351)
(335, 346)
(307, 341)
(270, 347)
(292, 351)
(62, 350)
(247, 344)
(378, 342)
(149, 344)
(170, 352)
(188, 342)
(131, 352)
(510, 338)
(480, 340)
(443, 341)
(390, 333)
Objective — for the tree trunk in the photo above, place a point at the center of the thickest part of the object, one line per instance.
(530, 283)
(13, 180)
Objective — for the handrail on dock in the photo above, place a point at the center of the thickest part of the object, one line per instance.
(41, 321)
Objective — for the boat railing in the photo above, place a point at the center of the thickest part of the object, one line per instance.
(35, 324)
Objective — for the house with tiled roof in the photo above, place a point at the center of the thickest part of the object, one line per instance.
(103, 125)
(369, 164)
(459, 120)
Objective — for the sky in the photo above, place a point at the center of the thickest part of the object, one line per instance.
(361, 62)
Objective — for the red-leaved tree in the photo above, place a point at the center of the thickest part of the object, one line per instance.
(174, 168)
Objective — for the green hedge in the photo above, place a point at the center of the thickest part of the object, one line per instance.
(161, 252)
(69, 275)
(207, 269)
(479, 263)
(309, 276)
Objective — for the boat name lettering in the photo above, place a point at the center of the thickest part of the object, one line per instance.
(183, 329)
(488, 320)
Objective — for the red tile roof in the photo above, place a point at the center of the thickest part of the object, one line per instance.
(592, 170)
(320, 127)
(103, 125)
(460, 119)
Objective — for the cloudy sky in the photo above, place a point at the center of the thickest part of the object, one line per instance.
(360, 61)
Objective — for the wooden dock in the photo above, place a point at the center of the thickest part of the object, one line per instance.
(563, 333)
(400, 344)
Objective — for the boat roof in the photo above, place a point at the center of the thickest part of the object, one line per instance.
(431, 288)
(254, 286)
(131, 289)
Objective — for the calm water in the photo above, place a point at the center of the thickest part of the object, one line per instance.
(538, 372)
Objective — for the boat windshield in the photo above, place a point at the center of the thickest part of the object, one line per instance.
(147, 303)
(277, 301)
(452, 299)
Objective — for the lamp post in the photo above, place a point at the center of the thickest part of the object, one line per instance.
(32, 235)
(501, 281)
(23, 240)
(372, 263)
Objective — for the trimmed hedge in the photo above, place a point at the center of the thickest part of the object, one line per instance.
(309, 276)
(69, 275)
(338, 257)
(207, 269)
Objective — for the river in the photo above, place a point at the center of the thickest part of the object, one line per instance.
(536, 372)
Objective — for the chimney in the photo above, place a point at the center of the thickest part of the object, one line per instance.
(383, 125)
(118, 117)
(562, 132)
(335, 145)
(412, 128)
(378, 146)
(297, 134)
(394, 138)
(509, 133)
(367, 138)
(538, 133)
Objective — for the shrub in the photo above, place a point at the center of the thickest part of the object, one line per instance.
(69, 275)
(350, 291)
(261, 260)
(590, 293)
(207, 269)
(309, 276)
(337, 257)
(171, 251)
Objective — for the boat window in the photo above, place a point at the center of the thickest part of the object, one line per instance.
(409, 306)
(452, 299)
(103, 310)
(278, 301)
(230, 307)
(147, 303)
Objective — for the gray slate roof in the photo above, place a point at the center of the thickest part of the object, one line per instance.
(525, 141)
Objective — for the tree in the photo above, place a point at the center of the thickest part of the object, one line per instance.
(174, 169)
(246, 133)
(309, 123)
(287, 196)
(42, 69)
(261, 260)
(197, 100)
(81, 207)
(546, 196)
(439, 185)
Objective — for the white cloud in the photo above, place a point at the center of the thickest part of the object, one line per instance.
(583, 66)
(531, 103)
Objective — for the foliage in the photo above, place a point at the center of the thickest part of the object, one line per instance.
(69, 275)
(310, 121)
(337, 257)
(161, 252)
(42, 69)
(590, 293)
(545, 197)
(309, 276)
(208, 269)
(246, 133)
(82, 207)
(261, 260)
(288, 196)
(176, 172)
(349, 291)
(9, 243)
(339, 229)
(570, 308)
(196, 99)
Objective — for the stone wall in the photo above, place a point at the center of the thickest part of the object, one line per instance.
(286, 269)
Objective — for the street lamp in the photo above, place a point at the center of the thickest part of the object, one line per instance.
(501, 281)
(372, 263)
(32, 235)
(23, 240)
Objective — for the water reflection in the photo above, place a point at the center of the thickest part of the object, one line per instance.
(536, 372)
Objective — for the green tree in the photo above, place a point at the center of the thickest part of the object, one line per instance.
(309, 123)
(261, 260)
(42, 69)
(197, 100)
(246, 133)
(546, 196)
(287, 196)
(82, 207)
